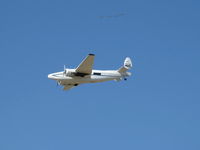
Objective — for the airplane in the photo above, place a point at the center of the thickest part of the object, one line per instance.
(70, 78)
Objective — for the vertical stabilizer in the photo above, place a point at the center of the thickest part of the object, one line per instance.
(127, 65)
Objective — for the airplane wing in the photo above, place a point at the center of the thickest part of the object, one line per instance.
(67, 87)
(85, 66)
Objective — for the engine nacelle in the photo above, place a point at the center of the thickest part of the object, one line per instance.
(68, 73)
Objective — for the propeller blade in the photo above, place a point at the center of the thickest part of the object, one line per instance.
(64, 72)
(58, 83)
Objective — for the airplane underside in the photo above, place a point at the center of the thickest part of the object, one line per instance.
(79, 80)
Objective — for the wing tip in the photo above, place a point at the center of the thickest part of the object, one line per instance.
(91, 54)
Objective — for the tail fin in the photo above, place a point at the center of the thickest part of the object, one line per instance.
(127, 65)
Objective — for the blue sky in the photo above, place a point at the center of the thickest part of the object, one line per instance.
(157, 108)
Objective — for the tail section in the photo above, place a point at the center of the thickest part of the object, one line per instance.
(127, 65)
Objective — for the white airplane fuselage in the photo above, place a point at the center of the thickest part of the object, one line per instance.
(85, 74)
(96, 76)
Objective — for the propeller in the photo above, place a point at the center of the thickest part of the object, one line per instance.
(58, 83)
(64, 72)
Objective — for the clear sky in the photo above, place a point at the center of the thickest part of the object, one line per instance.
(158, 108)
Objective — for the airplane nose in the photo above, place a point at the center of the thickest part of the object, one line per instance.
(50, 76)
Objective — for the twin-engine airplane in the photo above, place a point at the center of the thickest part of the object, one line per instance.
(84, 74)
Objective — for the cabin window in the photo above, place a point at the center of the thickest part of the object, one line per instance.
(96, 73)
